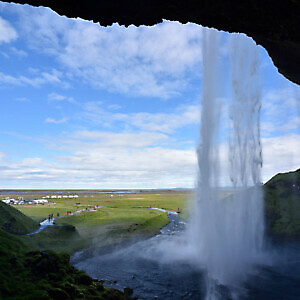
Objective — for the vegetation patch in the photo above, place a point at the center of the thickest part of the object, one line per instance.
(27, 274)
(282, 205)
(14, 221)
(64, 238)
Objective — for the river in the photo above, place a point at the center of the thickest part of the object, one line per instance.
(152, 272)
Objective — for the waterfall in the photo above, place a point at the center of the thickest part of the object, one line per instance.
(227, 233)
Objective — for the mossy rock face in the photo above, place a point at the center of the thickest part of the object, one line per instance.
(282, 205)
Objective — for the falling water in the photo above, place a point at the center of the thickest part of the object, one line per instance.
(227, 234)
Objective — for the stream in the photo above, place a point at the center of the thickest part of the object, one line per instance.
(43, 225)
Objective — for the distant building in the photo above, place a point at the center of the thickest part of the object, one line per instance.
(40, 201)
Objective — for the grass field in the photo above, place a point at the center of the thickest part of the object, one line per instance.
(168, 201)
(116, 219)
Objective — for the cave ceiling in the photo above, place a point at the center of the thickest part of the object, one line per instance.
(274, 24)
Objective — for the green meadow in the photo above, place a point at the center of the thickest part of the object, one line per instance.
(116, 219)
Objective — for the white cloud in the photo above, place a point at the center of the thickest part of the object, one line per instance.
(108, 160)
(18, 52)
(52, 77)
(4, 54)
(22, 99)
(7, 32)
(94, 165)
(280, 113)
(114, 107)
(147, 61)
(280, 154)
(52, 97)
(2, 155)
(112, 140)
(164, 122)
(54, 121)
(293, 123)
(8, 79)
(161, 122)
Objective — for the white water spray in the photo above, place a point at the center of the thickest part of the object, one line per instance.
(227, 234)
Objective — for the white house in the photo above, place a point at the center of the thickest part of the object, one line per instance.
(40, 201)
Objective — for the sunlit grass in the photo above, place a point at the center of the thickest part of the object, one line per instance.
(115, 218)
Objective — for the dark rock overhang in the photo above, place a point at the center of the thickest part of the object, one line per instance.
(274, 24)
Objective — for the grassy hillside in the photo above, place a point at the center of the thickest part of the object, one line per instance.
(61, 239)
(27, 273)
(14, 221)
(282, 205)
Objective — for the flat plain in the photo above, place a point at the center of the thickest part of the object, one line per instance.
(100, 220)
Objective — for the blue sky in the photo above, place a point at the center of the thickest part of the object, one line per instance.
(85, 106)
